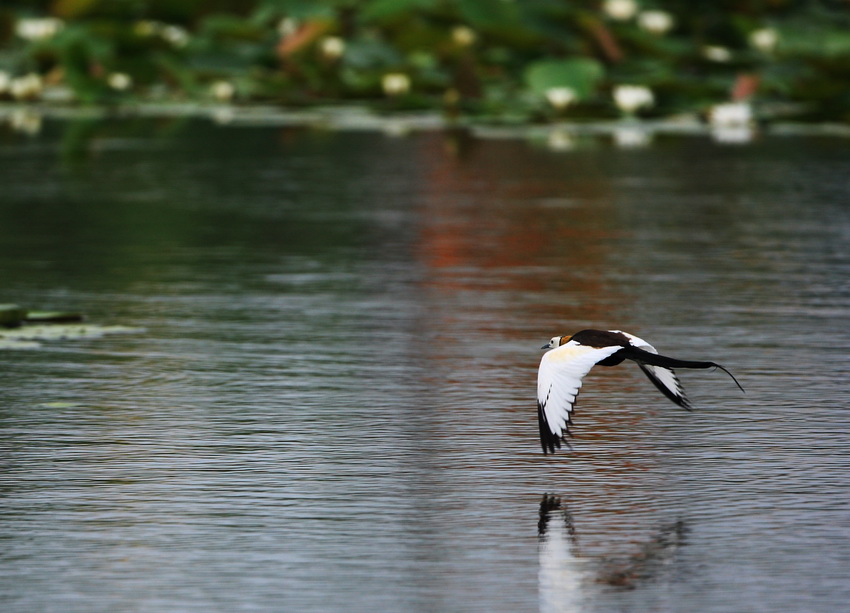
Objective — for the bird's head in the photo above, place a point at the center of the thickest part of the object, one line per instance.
(555, 341)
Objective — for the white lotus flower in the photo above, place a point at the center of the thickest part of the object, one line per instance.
(395, 84)
(463, 36)
(287, 27)
(332, 47)
(39, 28)
(630, 98)
(119, 81)
(620, 10)
(657, 22)
(764, 39)
(222, 91)
(561, 97)
(177, 36)
(27, 87)
(716, 53)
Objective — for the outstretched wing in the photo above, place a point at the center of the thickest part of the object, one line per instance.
(663, 378)
(558, 383)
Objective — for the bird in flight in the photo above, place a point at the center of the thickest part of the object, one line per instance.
(570, 358)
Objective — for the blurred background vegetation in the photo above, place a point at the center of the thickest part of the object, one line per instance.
(507, 60)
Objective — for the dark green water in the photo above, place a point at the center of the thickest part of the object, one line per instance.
(331, 403)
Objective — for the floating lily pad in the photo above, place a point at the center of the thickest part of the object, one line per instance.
(53, 317)
(30, 336)
(11, 315)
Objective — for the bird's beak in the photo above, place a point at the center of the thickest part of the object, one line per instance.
(546, 346)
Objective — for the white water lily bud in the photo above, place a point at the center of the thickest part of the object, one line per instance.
(177, 36)
(716, 53)
(38, 28)
(561, 97)
(657, 22)
(28, 87)
(287, 27)
(395, 84)
(464, 36)
(119, 81)
(764, 39)
(620, 10)
(630, 98)
(332, 47)
(222, 91)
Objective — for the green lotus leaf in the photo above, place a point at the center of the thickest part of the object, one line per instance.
(579, 74)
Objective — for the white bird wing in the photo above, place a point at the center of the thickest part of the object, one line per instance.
(664, 379)
(558, 383)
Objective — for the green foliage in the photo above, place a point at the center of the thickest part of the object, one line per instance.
(582, 75)
(382, 10)
(485, 57)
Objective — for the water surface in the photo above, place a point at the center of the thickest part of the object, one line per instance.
(331, 405)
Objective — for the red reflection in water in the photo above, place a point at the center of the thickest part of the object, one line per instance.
(504, 216)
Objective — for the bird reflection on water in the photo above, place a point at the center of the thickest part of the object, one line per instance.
(566, 575)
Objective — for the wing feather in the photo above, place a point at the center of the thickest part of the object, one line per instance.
(664, 379)
(558, 382)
